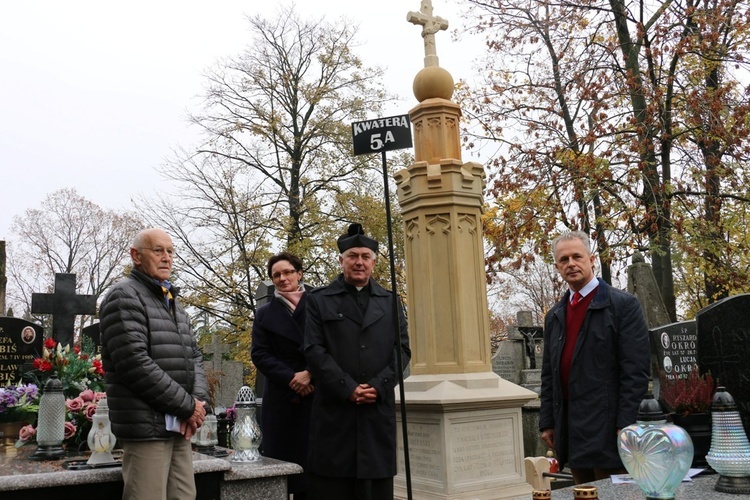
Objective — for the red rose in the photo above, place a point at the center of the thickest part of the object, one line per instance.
(50, 343)
(42, 365)
(98, 367)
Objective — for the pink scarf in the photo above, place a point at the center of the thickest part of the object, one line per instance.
(290, 299)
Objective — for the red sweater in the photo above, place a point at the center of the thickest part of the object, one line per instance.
(574, 316)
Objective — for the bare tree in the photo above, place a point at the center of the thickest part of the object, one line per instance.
(275, 170)
(69, 234)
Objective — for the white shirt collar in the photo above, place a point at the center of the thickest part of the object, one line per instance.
(587, 288)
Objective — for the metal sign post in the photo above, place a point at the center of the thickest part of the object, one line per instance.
(381, 135)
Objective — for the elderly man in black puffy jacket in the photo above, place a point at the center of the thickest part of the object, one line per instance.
(156, 384)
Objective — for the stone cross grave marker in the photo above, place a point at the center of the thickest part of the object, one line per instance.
(230, 373)
(522, 351)
(20, 342)
(430, 25)
(724, 348)
(64, 305)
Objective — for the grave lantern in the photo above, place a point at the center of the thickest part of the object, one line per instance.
(246, 435)
(50, 430)
(730, 450)
(100, 438)
(207, 436)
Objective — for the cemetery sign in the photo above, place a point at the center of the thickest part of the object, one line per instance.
(381, 134)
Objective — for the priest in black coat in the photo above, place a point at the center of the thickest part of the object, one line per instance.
(350, 346)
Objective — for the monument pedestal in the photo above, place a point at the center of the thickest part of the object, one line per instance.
(465, 438)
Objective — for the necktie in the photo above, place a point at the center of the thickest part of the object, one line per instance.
(167, 295)
(576, 299)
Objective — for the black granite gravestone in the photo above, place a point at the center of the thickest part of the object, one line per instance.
(674, 349)
(94, 333)
(724, 348)
(20, 342)
(64, 305)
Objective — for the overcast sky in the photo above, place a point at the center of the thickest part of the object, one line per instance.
(94, 94)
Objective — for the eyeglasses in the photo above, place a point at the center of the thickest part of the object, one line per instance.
(160, 251)
(285, 274)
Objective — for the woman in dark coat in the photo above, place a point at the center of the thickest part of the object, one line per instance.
(278, 331)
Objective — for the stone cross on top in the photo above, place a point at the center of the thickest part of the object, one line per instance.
(64, 305)
(217, 348)
(430, 25)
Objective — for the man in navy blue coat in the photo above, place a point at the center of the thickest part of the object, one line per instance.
(350, 347)
(595, 369)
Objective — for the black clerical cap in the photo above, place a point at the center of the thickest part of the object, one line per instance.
(355, 237)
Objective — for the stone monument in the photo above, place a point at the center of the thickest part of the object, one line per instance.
(674, 351)
(20, 342)
(464, 421)
(230, 373)
(64, 305)
(724, 348)
(642, 284)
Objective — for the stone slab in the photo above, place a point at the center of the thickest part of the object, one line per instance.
(465, 438)
(700, 488)
(261, 480)
(724, 348)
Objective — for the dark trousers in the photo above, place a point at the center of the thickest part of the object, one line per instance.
(346, 488)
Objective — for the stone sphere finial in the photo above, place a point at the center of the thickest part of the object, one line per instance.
(431, 82)
(638, 257)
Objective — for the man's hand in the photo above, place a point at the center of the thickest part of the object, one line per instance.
(300, 383)
(364, 394)
(548, 436)
(189, 428)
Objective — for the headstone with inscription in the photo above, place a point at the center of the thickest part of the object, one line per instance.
(20, 342)
(519, 360)
(520, 355)
(674, 349)
(724, 348)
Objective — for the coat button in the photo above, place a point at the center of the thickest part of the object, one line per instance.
(363, 347)
(341, 382)
(340, 315)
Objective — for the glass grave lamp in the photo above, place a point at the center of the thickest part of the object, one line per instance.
(207, 436)
(730, 450)
(246, 435)
(657, 454)
(50, 430)
(100, 438)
